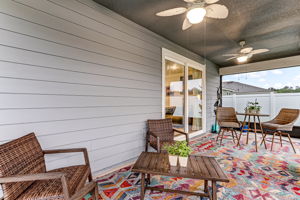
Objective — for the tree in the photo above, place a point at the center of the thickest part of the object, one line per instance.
(287, 89)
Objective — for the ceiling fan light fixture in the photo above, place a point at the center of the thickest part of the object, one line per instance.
(242, 59)
(196, 15)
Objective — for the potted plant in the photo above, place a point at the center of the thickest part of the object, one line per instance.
(253, 107)
(173, 155)
(250, 107)
(183, 152)
(258, 108)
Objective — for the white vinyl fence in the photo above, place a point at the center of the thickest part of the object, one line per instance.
(271, 103)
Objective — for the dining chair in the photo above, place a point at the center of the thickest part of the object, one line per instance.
(228, 122)
(281, 125)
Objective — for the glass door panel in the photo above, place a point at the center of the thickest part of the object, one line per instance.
(174, 97)
(195, 100)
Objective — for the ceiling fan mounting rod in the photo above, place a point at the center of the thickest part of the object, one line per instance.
(242, 43)
(199, 3)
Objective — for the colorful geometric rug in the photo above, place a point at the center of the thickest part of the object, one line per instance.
(262, 175)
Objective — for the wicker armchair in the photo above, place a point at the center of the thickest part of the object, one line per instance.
(281, 125)
(161, 132)
(23, 173)
(227, 120)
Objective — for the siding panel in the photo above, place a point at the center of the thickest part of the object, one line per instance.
(23, 57)
(13, 39)
(81, 76)
(30, 101)
(36, 73)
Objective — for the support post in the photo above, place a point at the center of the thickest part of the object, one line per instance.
(234, 101)
(272, 105)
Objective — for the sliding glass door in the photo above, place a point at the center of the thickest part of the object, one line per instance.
(174, 96)
(195, 98)
(184, 92)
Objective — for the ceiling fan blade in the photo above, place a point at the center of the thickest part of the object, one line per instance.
(186, 24)
(258, 51)
(246, 50)
(217, 11)
(171, 12)
(189, 1)
(231, 54)
(231, 58)
(211, 1)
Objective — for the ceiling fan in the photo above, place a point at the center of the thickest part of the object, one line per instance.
(196, 11)
(245, 53)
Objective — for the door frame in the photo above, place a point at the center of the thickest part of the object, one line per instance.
(175, 57)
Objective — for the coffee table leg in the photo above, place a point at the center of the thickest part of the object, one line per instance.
(214, 190)
(142, 186)
(205, 186)
(148, 179)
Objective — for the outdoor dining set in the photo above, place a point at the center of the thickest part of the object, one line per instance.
(280, 126)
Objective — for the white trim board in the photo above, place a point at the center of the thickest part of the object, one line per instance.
(292, 61)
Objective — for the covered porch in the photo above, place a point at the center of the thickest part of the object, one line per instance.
(253, 175)
(89, 75)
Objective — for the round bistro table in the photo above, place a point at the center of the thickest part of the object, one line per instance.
(255, 129)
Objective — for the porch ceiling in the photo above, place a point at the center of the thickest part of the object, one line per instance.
(273, 24)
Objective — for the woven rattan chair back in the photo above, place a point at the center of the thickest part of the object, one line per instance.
(162, 128)
(286, 116)
(21, 156)
(226, 114)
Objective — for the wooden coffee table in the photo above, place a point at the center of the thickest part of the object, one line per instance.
(199, 167)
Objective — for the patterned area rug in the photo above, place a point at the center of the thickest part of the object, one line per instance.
(264, 175)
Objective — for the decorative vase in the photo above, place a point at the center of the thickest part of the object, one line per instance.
(183, 161)
(173, 160)
(257, 111)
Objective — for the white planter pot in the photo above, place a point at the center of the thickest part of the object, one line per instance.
(183, 161)
(252, 111)
(173, 160)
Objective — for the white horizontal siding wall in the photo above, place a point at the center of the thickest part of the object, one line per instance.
(79, 75)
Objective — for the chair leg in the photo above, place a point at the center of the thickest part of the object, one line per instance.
(147, 143)
(263, 140)
(273, 140)
(96, 192)
(233, 138)
(239, 139)
(220, 132)
(291, 142)
(222, 135)
(236, 135)
(280, 137)
(264, 135)
(146, 147)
